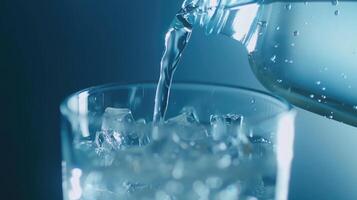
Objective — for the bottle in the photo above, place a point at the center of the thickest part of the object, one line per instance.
(303, 51)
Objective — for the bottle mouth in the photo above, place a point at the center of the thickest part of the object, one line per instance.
(215, 18)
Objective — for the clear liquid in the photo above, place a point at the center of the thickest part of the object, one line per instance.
(307, 53)
(176, 40)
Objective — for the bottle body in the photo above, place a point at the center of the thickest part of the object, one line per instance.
(305, 52)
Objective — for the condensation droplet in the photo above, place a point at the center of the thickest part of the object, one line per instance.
(273, 58)
(335, 2)
(263, 24)
(296, 33)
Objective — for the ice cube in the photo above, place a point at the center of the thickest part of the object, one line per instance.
(230, 129)
(116, 119)
(123, 129)
(108, 140)
(187, 126)
(187, 116)
(223, 126)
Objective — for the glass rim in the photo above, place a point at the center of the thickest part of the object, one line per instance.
(66, 111)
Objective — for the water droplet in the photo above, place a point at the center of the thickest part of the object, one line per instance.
(323, 96)
(273, 58)
(278, 28)
(312, 96)
(296, 33)
(335, 2)
(319, 100)
(331, 117)
(288, 6)
(323, 89)
(337, 12)
(262, 23)
(318, 82)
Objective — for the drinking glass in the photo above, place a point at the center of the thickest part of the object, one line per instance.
(178, 161)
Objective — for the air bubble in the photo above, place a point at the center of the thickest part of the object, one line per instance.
(355, 107)
(252, 101)
(276, 45)
(288, 6)
(318, 82)
(273, 58)
(323, 89)
(279, 81)
(337, 12)
(278, 28)
(292, 44)
(225, 161)
(312, 96)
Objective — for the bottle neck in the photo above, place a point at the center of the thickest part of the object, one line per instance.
(237, 19)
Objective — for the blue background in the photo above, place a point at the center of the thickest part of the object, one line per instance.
(49, 49)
